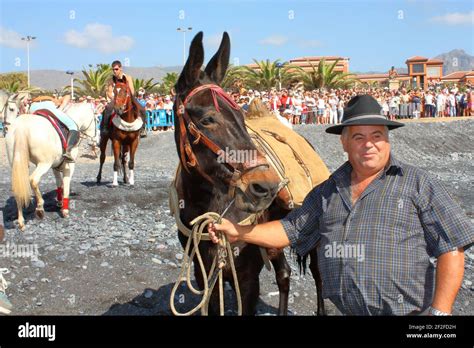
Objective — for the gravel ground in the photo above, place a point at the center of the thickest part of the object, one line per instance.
(118, 253)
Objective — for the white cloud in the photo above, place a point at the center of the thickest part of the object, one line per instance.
(275, 40)
(10, 38)
(98, 36)
(310, 43)
(455, 18)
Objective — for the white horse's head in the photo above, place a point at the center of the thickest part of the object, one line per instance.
(83, 115)
(11, 109)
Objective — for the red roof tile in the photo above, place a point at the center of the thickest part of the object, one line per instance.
(416, 58)
(455, 75)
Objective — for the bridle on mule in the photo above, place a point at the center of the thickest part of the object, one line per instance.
(188, 158)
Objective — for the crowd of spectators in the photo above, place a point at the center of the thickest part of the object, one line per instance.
(326, 106)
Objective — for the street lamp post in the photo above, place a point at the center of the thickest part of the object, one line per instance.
(72, 83)
(184, 30)
(28, 38)
(279, 66)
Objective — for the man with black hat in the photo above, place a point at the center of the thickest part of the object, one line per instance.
(376, 222)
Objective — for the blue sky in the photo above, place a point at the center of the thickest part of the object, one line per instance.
(374, 34)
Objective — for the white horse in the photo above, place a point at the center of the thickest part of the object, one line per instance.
(32, 138)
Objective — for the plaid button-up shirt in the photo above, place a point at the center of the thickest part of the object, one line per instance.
(374, 256)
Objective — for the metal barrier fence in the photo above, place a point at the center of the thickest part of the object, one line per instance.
(154, 118)
(159, 118)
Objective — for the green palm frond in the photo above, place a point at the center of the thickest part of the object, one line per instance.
(325, 76)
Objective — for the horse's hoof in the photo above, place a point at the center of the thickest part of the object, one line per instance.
(65, 213)
(21, 227)
(99, 180)
(40, 213)
(115, 184)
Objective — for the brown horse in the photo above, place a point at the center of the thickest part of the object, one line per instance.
(207, 122)
(125, 134)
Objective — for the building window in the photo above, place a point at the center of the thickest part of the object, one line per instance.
(417, 68)
(432, 71)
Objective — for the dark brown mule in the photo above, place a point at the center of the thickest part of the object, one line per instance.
(124, 142)
(209, 121)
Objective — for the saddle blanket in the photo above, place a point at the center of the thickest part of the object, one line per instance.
(60, 128)
(291, 155)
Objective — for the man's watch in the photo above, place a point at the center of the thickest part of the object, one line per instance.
(438, 313)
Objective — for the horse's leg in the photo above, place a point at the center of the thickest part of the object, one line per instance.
(249, 292)
(248, 266)
(68, 172)
(35, 178)
(313, 266)
(125, 149)
(21, 219)
(282, 273)
(131, 163)
(59, 187)
(116, 148)
(103, 147)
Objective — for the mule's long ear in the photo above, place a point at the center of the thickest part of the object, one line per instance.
(192, 68)
(217, 66)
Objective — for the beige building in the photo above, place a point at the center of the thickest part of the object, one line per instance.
(459, 77)
(421, 72)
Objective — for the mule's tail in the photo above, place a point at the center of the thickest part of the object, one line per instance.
(20, 170)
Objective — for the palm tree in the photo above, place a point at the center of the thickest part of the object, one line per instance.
(324, 76)
(267, 74)
(233, 78)
(11, 87)
(147, 85)
(95, 81)
(168, 82)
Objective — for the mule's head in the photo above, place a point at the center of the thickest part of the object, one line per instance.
(122, 98)
(210, 133)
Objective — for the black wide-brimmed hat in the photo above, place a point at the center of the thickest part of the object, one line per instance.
(363, 110)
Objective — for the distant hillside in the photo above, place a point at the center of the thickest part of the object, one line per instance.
(57, 79)
(399, 70)
(456, 60)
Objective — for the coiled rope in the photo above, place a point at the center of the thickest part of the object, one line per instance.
(224, 255)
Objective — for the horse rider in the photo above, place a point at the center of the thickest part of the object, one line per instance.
(118, 77)
(57, 106)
